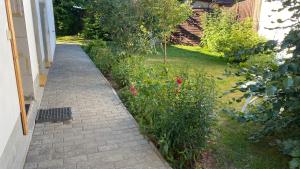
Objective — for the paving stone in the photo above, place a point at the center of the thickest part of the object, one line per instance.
(50, 163)
(38, 157)
(30, 165)
(74, 160)
(101, 135)
(108, 147)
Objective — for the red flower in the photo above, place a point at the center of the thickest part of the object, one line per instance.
(178, 80)
(133, 90)
(179, 83)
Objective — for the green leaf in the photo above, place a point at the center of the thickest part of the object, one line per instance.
(283, 69)
(295, 152)
(295, 163)
(297, 80)
(293, 67)
(288, 82)
(271, 90)
(166, 148)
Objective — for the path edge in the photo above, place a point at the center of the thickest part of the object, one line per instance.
(153, 147)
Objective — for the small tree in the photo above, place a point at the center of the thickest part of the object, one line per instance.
(278, 111)
(166, 15)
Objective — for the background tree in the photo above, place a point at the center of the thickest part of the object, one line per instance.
(92, 26)
(120, 21)
(133, 24)
(68, 16)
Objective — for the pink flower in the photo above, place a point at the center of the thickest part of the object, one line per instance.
(133, 90)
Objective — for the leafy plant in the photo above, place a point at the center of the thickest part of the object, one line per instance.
(260, 61)
(224, 33)
(68, 16)
(261, 56)
(291, 148)
(92, 26)
(128, 70)
(278, 93)
(120, 21)
(101, 55)
(134, 25)
(175, 112)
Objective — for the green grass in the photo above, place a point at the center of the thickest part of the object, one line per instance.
(196, 58)
(231, 147)
(70, 40)
(192, 57)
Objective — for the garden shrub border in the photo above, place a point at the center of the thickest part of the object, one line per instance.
(157, 99)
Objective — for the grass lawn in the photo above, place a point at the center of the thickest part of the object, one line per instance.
(70, 40)
(230, 149)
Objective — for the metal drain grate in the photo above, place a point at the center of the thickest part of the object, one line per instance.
(54, 115)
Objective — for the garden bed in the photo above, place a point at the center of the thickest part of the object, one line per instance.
(229, 146)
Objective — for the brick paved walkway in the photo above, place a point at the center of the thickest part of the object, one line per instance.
(102, 134)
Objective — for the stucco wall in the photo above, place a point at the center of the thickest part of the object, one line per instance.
(38, 32)
(24, 55)
(31, 39)
(51, 23)
(268, 19)
(48, 27)
(9, 103)
(13, 144)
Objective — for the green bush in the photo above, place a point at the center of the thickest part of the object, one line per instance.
(260, 61)
(101, 55)
(224, 33)
(128, 69)
(176, 113)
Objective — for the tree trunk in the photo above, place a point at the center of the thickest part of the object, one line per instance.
(165, 50)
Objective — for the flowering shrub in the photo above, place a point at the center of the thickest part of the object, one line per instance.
(176, 113)
(133, 90)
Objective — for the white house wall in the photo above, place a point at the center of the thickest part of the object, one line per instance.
(9, 103)
(39, 27)
(49, 16)
(51, 23)
(31, 40)
(13, 144)
(268, 19)
(24, 54)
